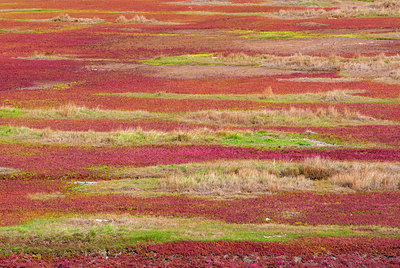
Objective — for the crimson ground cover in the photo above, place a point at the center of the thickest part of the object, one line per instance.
(57, 160)
(331, 251)
(315, 209)
(47, 64)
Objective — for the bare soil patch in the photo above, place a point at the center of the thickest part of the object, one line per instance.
(5, 171)
(321, 46)
(43, 85)
(189, 71)
(320, 79)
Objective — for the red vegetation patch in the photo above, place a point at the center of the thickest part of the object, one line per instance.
(360, 23)
(55, 99)
(374, 252)
(22, 75)
(140, 5)
(13, 198)
(303, 208)
(53, 160)
(271, 24)
(17, 74)
(380, 134)
(308, 208)
(46, 99)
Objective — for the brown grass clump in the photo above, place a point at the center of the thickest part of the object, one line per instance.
(137, 19)
(267, 93)
(68, 18)
(240, 180)
(395, 74)
(334, 96)
(258, 178)
(312, 168)
(369, 177)
(359, 67)
(298, 62)
(237, 59)
(250, 178)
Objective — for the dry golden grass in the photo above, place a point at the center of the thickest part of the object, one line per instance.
(113, 138)
(137, 19)
(240, 181)
(335, 96)
(251, 178)
(267, 93)
(300, 62)
(357, 9)
(292, 117)
(358, 67)
(140, 19)
(236, 59)
(68, 18)
(138, 137)
(395, 74)
(73, 111)
(309, 175)
(46, 196)
(369, 177)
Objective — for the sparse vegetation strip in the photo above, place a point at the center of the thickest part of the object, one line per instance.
(137, 137)
(291, 117)
(79, 234)
(335, 96)
(248, 178)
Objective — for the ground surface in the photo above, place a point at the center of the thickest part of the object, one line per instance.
(242, 133)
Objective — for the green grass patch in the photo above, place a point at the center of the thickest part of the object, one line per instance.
(211, 13)
(29, 10)
(193, 59)
(279, 35)
(17, 31)
(138, 137)
(11, 112)
(206, 59)
(90, 234)
(18, 132)
(262, 139)
(287, 98)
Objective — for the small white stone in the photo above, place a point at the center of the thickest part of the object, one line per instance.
(101, 220)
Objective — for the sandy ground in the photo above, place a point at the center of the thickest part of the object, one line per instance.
(188, 71)
(321, 46)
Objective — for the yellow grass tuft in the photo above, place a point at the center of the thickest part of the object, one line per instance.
(267, 93)
(137, 19)
(68, 18)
